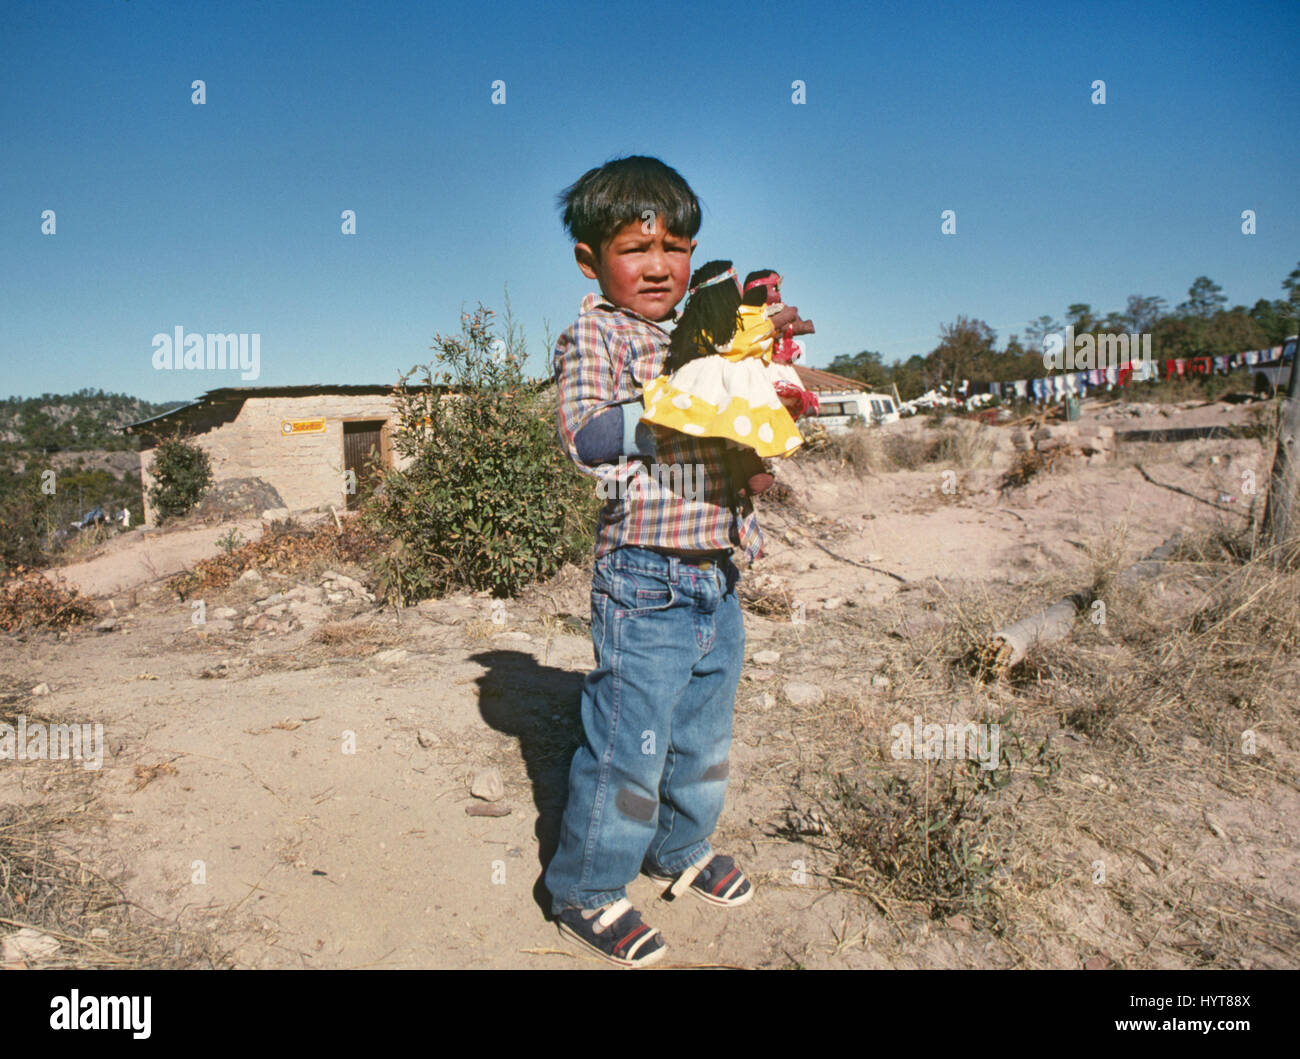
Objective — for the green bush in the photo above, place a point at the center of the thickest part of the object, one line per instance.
(488, 499)
(27, 520)
(182, 473)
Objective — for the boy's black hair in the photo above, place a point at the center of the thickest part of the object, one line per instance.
(709, 319)
(757, 295)
(603, 200)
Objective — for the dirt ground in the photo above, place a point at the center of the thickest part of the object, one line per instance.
(318, 750)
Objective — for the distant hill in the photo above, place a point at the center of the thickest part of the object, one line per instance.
(87, 419)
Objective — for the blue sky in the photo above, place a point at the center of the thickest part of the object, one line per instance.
(226, 216)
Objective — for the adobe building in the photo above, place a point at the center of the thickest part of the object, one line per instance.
(301, 440)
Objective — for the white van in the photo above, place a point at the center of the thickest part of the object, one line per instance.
(840, 411)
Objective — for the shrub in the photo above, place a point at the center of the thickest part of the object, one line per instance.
(182, 473)
(26, 519)
(284, 546)
(488, 501)
(29, 600)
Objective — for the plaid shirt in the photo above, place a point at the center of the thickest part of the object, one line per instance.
(687, 501)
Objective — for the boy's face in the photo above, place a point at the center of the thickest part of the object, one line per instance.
(647, 272)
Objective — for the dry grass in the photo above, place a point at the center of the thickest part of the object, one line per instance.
(44, 886)
(1093, 838)
(962, 444)
(965, 444)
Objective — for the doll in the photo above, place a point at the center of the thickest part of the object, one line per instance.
(764, 288)
(716, 381)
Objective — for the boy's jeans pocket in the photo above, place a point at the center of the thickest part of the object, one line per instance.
(636, 592)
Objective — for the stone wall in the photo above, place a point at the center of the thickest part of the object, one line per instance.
(243, 439)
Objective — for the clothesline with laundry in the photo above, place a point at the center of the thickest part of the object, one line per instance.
(1078, 383)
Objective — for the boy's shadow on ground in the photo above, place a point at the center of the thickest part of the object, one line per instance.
(539, 706)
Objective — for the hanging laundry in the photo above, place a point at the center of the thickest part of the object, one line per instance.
(1021, 387)
(1251, 357)
(1220, 365)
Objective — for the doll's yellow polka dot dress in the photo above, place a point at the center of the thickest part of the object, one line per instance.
(729, 394)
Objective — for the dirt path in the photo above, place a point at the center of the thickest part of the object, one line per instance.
(142, 556)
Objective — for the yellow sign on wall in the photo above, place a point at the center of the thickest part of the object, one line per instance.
(290, 427)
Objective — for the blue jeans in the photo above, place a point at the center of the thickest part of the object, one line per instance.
(647, 784)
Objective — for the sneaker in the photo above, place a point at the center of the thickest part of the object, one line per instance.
(614, 933)
(715, 879)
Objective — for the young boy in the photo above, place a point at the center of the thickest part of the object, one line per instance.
(647, 784)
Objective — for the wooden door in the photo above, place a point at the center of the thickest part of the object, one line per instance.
(362, 448)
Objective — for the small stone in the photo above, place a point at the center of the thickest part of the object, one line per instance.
(107, 625)
(768, 701)
(41, 689)
(426, 738)
(27, 944)
(880, 681)
(271, 600)
(834, 603)
(250, 575)
(488, 785)
(275, 514)
(392, 656)
(336, 597)
(309, 613)
(800, 694)
(476, 809)
(766, 658)
(960, 923)
(225, 612)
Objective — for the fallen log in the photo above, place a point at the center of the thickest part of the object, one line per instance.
(1008, 646)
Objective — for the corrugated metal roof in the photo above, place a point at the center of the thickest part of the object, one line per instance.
(225, 393)
(828, 382)
(161, 415)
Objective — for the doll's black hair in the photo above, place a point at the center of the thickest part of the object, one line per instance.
(709, 319)
(603, 200)
(757, 295)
